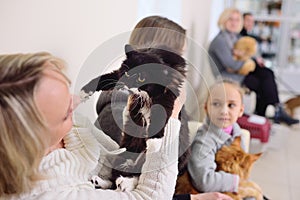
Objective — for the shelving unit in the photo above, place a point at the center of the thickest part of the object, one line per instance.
(278, 23)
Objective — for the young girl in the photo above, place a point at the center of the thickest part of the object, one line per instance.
(223, 107)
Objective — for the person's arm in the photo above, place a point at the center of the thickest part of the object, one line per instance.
(159, 172)
(221, 53)
(202, 168)
(202, 196)
(210, 196)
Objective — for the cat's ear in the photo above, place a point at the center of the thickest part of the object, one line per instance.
(129, 50)
(236, 141)
(254, 157)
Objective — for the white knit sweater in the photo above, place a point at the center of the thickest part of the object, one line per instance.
(68, 170)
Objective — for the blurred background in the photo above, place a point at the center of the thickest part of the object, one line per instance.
(80, 30)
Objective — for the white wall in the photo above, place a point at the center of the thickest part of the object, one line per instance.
(74, 29)
(70, 29)
(197, 19)
(172, 9)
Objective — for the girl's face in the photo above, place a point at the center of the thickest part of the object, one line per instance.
(233, 23)
(224, 105)
(55, 104)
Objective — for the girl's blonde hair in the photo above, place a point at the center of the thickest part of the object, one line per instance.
(223, 80)
(157, 31)
(23, 138)
(225, 15)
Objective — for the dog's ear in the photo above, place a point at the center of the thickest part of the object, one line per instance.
(129, 51)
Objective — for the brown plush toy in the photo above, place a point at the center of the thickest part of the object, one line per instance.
(243, 50)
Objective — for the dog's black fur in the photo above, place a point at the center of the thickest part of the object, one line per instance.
(160, 73)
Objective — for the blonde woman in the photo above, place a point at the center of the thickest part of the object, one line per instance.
(43, 157)
(261, 80)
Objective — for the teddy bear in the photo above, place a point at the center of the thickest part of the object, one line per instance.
(243, 49)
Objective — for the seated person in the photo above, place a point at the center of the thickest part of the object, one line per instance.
(223, 106)
(44, 158)
(261, 80)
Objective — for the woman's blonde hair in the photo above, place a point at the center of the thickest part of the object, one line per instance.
(23, 138)
(157, 31)
(225, 15)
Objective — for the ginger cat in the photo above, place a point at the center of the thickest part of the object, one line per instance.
(231, 159)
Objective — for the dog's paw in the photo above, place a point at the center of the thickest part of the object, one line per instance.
(126, 184)
(100, 183)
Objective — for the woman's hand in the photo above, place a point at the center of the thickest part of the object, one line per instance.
(179, 102)
(260, 61)
(210, 196)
